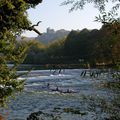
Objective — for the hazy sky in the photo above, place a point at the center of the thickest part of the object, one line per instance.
(58, 17)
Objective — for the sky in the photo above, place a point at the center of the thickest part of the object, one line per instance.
(58, 17)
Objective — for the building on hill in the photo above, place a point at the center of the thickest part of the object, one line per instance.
(51, 35)
(50, 31)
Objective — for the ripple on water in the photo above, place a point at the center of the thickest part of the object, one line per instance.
(39, 95)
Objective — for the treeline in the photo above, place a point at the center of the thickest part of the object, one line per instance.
(95, 47)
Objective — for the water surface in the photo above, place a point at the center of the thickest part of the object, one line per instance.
(62, 94)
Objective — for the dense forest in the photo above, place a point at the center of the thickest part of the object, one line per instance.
(96, 47)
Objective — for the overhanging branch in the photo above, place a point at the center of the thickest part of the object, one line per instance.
(32, 28)
(36, 24)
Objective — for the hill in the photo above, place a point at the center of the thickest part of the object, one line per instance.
(52, 35)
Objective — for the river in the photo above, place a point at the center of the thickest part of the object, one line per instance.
(65, 95)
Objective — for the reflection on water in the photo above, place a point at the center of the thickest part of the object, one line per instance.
(45, 92)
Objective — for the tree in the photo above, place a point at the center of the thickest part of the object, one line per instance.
(13, 21)
(105, 17)
(110, 19)
(36, 53)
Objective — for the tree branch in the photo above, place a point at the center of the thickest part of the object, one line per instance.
(34, 29)
(36, 24)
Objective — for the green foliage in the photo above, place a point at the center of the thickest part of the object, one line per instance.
(36, 53)
(10, 52)
(101, 4)
(90, 46)
(105, 17)
(55, 51)
(13, 20)
(42, 54)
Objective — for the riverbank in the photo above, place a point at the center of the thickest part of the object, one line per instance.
(61, 66)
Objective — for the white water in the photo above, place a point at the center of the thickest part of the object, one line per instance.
(41, 94)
